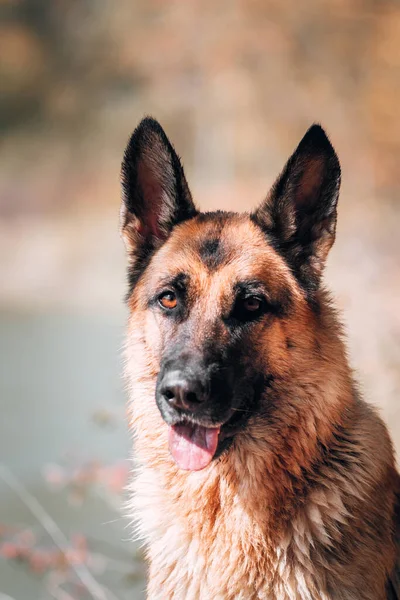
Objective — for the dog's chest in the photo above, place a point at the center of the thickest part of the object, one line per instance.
(215, 546)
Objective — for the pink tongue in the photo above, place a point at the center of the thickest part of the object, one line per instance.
(192, 446)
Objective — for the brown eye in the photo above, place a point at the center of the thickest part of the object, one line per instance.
(247, 309)
(168, 300)
(252, 304)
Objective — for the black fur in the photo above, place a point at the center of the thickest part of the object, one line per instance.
(212, 253)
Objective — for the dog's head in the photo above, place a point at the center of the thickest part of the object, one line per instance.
(225, 305)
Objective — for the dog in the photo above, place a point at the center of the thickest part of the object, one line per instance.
(260, 471)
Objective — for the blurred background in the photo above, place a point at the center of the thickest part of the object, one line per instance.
(235, 84)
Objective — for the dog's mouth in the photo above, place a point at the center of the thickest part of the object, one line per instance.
(193, 446)
(194, 441)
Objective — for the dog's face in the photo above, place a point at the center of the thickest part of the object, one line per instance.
(222, 298)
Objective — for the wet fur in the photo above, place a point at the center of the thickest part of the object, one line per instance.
(301, 505)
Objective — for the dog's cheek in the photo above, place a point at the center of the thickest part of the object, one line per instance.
(271, 354)
(159, 334)
(154, 336)
(141, 369)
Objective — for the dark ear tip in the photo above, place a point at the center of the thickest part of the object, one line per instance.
(148, 123)
(143, 131)
(316, 139)
(316, 130)
(146, 133)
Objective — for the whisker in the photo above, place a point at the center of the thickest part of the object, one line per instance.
(243, 410)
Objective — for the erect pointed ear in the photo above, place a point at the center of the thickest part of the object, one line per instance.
(299, 214)
(155, 193)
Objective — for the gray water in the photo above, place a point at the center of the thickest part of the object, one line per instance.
(56, 372)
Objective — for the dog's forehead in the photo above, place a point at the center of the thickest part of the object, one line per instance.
(212, 241)
(220, 243)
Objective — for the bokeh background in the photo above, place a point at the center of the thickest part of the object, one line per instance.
(235, 84)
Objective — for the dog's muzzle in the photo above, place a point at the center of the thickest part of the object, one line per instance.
(195, 400)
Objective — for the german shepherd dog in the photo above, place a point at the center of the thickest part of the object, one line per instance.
(261, 473)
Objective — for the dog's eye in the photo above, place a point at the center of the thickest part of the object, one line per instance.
(248, 308)
(168, 300)
(252, 304)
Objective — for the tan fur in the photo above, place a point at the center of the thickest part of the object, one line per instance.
(301, 509)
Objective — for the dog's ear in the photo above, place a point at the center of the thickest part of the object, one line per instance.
(299, 214)
(155, 192)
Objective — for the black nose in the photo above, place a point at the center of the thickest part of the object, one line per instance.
(182, 392)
